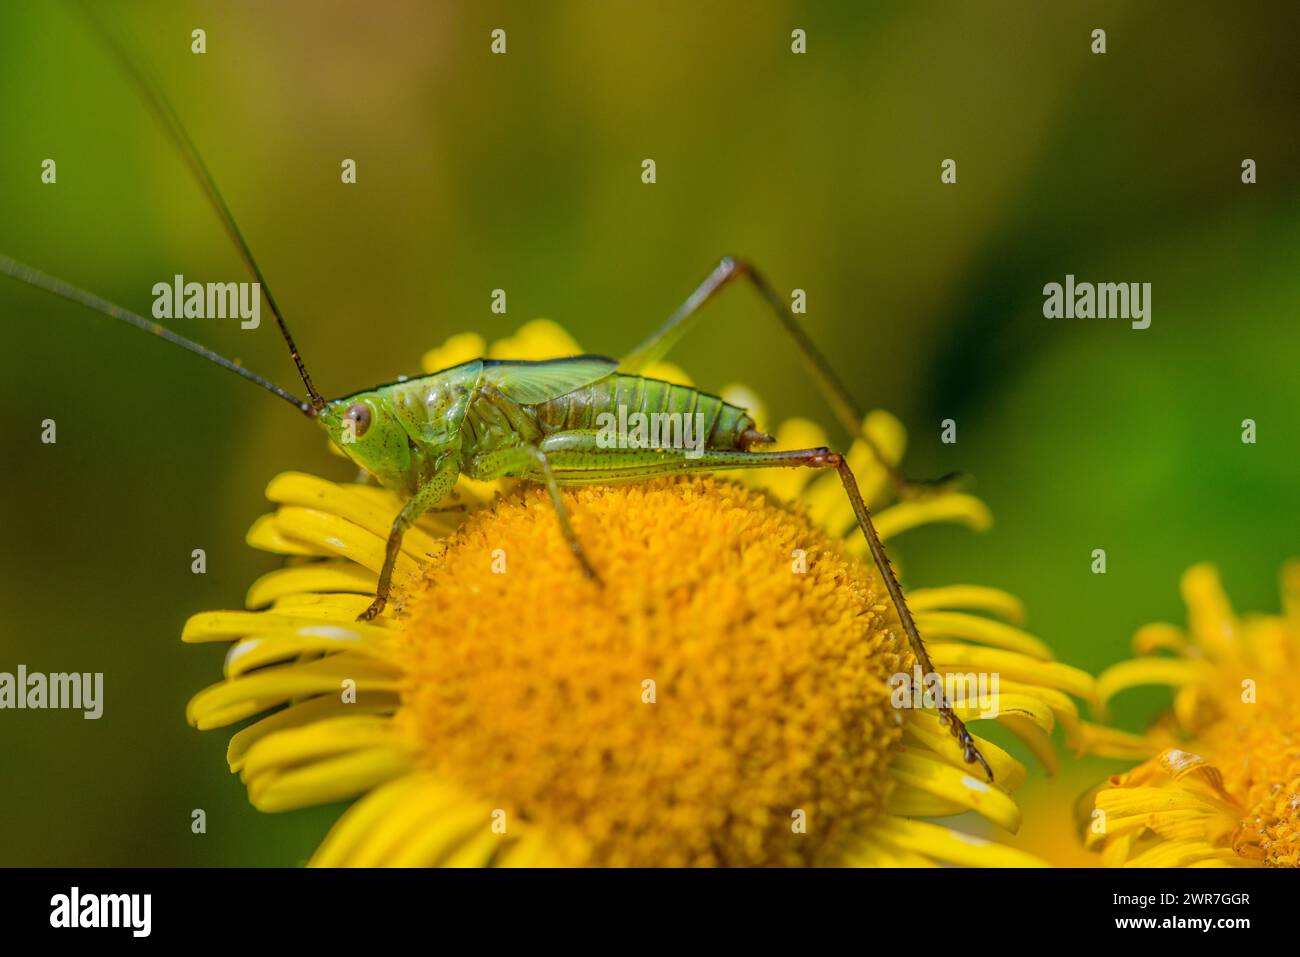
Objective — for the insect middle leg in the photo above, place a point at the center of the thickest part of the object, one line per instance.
(531, 463)
(543, 466)
(841, 401)
(575, 459)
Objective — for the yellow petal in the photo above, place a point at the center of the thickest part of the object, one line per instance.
(1179, 854)
(371, 509)
(442, 834)
(303, 714)
(960, 787)
(788, 484)
(457, 349)
(1106, 742)
(407, 814)
(1209, 612)
(1035, 738)
(350, 831)
(890, 438)
(669, 372)
(1194, 706)
(995, 601)
(1013, 666)
(1159, 636)
(950, 507)
(325, 607)
(947, 845)
(274, 647)
(824, 497)
(871, 852)
(229, 701)
(956, 624)
(267, 536)
(327, 737)
(538, 339)
(477, 850)
(1149, 671)
(1123, 802)
(334, 535)
(1233, 861)
(529, 851)
(330, 780)
(935, 741)
(739, 394)
(314, 577)
(1062, 706)
(1024, 707)
(230, 625)
(908, 801)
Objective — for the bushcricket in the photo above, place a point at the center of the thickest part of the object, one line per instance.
(533, 420)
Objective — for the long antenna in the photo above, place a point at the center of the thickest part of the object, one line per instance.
(34, 277)
(162, 109)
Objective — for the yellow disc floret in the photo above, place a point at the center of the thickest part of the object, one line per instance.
(1258, 755)
(1224, 786)
(722, 699)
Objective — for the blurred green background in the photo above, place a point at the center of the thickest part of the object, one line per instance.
(523, 172)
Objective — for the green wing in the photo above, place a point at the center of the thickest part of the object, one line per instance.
(529, 383)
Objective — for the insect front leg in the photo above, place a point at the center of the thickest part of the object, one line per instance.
(841, 401)
(426, 497)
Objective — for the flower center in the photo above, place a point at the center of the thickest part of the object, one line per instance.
(1257, 748)
(722, 699)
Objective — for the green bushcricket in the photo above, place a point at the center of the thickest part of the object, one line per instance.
(536, 421)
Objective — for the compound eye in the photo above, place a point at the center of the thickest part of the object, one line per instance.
(359, 415)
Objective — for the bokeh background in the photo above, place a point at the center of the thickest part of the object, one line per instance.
(523, 172)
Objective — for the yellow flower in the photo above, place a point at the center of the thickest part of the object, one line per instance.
(1223, 787)
(724, 699)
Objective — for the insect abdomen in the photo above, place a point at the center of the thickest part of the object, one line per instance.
(725, 426)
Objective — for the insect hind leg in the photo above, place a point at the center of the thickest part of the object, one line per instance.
(569, 455)
(824, 458)
(949, 717)
(841, 401)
